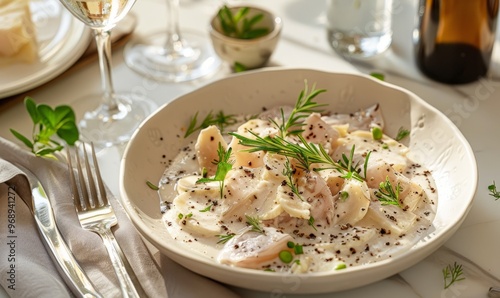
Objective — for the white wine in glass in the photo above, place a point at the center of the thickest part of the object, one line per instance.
(172, 55)
(117, 115)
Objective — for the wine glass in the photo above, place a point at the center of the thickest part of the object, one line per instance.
(117, 114)
(171, 56)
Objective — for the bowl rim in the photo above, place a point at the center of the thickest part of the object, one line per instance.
(408, 258)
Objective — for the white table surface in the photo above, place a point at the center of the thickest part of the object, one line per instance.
(474, 108)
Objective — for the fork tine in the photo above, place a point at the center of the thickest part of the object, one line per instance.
(72, 178)
(94, 198)
(100, 184)
(87, 203)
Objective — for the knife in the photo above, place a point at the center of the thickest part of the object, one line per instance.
(74, 276)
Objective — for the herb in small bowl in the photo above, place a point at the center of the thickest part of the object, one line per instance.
(240, 24)
(244, 36)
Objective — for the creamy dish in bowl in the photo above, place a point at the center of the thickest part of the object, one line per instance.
(321, 202)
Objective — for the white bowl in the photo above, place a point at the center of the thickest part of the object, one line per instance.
(435, 141)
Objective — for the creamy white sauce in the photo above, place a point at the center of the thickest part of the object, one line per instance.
(346, 231)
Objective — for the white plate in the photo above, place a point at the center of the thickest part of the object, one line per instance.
(435, 141)
(62, 39)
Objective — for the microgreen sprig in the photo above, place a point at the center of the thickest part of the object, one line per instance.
(452, 274)
(48, 122)
(402, 133)
(387, 194)
(220, 120)
(223, 167)
(493, 191)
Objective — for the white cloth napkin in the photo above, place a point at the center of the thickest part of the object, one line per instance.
(35, 273)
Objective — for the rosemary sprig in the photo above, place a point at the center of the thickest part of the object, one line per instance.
(387, 194)
(220, 120)
(305, 153)
(223, 167)
(493, 191)
(452, 274)
(254, 222)
(288, 172)
(303, 108)
(225, 238)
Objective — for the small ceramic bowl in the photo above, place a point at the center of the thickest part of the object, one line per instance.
(250, 53)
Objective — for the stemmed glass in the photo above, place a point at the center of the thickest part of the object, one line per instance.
(117, 114)
(171, 56)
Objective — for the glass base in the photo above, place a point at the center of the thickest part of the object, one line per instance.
(359, 46)
(195, 59)
(108, 127)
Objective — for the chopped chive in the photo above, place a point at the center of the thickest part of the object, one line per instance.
(286, 256)
(377, 133)
(298, 249)
(340, 266)
(152, 186)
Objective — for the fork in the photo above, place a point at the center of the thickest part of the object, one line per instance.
(97, 215)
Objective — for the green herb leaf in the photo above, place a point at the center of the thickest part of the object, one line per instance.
(310, 222)
(237, 25)
(402, 133)
(225, 238)
(254, 222)
(493, 191)
(452, 274)
(288, 173)
(208, 208)
(220, 120)
(387, 194)
(223, 167)
(378, 75)
(152, 186)
(239, 67)
(48, 122)
(304, 106)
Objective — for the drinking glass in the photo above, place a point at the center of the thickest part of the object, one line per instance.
(359, 28)
(171, 56)
(117, 114)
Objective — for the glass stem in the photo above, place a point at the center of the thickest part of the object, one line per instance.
(174, 40)
(103, 42)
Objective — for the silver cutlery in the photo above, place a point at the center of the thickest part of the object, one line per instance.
(68, 267)
(96, 214)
